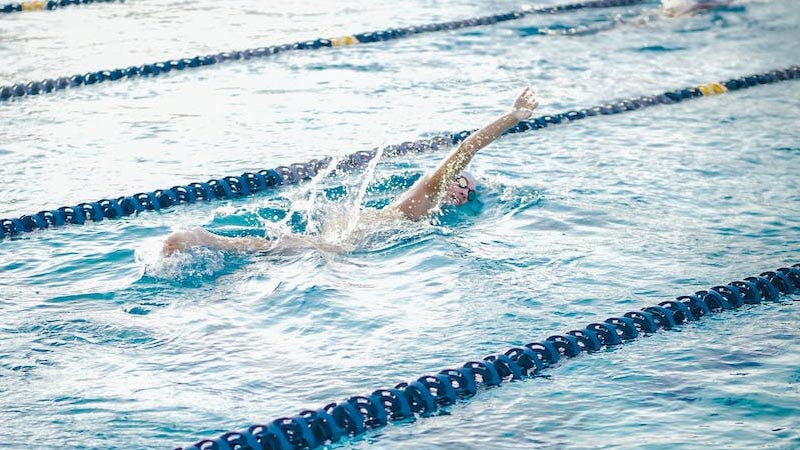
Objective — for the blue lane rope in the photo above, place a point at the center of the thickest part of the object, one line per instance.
(49, 85)
(357, 415)
(39, 5)
(248, 183)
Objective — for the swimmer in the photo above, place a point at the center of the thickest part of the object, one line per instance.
(669, 8)
(448, 184)
(674, 8)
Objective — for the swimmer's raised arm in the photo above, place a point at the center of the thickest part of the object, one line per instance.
(428, 191)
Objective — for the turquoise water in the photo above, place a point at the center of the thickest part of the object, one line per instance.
(104, 344)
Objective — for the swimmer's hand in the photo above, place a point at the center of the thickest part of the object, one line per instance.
(524, 105)
(181, 241)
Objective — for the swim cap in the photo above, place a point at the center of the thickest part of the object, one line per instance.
(470, 178)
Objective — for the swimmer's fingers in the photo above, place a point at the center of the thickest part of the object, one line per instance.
(525, 104)
(522, 98)
(532, 99)
(527, 99)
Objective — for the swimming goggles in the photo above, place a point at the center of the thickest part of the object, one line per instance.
(462, 182)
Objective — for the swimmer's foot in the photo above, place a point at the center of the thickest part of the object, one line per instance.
(185, 239)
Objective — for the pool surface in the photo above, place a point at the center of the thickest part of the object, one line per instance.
(106, 344)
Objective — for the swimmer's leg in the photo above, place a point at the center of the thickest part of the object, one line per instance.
(198, 237)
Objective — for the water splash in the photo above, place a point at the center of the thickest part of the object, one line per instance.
(335, 220)
(191, 267)
(341, 233)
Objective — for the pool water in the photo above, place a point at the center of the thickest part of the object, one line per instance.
(106, 344)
